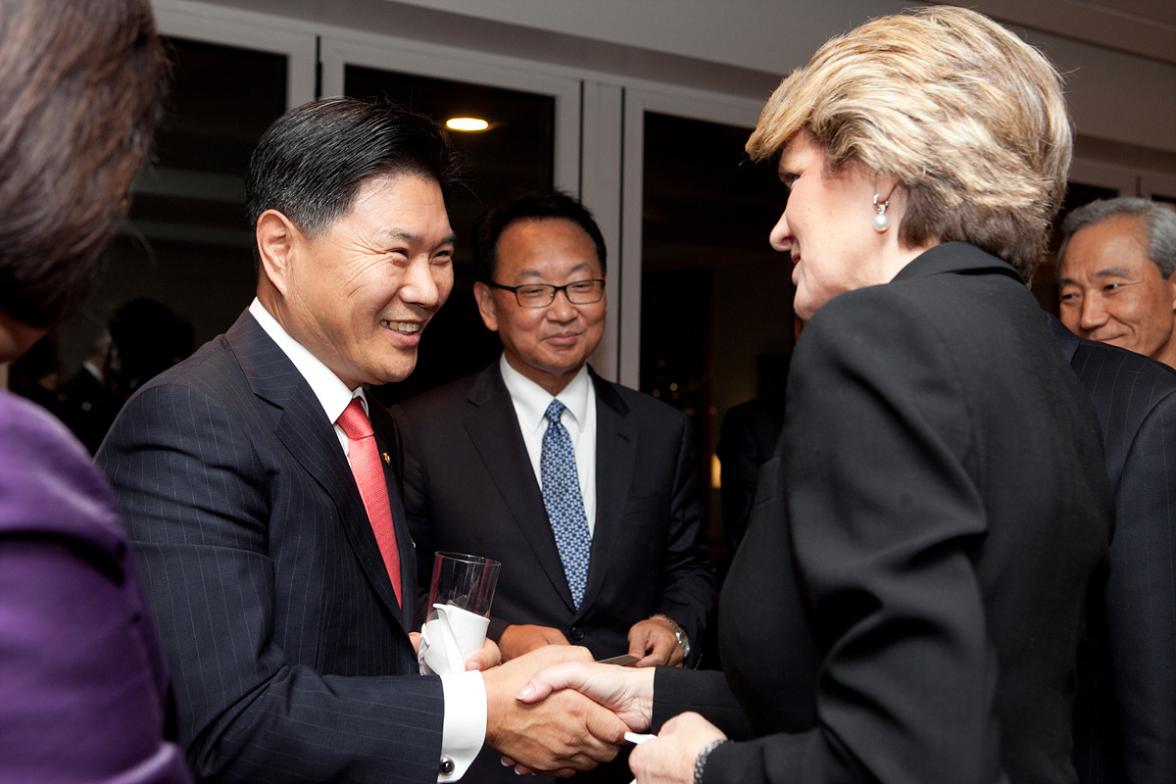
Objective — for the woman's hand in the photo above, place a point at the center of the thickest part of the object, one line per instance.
(625, 691)
(669, 758)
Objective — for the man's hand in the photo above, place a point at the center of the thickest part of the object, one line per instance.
(489, 655)
(520, 639)
(625, 691)
(558, 736)
(653, 642)
(669, 758)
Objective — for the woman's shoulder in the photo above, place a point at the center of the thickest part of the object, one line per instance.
(868, 315)
(48, 484)
(944, 300)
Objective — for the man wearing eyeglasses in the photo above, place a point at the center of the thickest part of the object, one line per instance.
(583, 489)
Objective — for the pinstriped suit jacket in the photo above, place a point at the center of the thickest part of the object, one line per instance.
(288, 651)
(1125, 725)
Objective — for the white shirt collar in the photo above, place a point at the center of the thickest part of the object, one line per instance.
(333, 395)
(532, 400)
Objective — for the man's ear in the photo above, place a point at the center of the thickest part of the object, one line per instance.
(486, 306)
(277, 237)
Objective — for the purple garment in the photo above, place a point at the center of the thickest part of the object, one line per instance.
(83, 691)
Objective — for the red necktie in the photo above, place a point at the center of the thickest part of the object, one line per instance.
(364, 457)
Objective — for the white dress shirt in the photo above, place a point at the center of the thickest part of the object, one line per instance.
(464, 725)
(579, 418)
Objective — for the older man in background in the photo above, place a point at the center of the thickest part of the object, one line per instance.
(1117, 287)
(1115, 276)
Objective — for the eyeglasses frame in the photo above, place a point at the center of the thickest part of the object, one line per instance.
(555, 290)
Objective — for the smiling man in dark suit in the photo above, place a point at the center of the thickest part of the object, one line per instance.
(260, 486)
(583, 489)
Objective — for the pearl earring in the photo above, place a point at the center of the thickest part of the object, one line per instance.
(881, 222)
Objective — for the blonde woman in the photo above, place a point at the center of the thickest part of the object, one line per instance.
(907, 602)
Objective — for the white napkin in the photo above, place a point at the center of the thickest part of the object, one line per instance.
(449, 639)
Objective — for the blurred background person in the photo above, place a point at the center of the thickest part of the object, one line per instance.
(1115, 282)
(907, 602)
(747, 440)
(143, 338)
(146, 338)
(83, 691)
(84, 400)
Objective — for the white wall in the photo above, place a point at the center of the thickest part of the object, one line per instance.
(766, 35)
(1114, 94)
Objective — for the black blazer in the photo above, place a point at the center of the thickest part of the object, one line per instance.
(281, 627)
(470, 487)
(1125, 718)
(907, 603)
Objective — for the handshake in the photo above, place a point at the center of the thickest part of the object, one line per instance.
(555, 711)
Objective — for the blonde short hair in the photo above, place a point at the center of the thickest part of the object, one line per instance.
(965, 115)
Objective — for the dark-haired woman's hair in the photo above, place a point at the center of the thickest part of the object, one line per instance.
(81, 89)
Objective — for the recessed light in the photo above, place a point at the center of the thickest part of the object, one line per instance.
(467, 124)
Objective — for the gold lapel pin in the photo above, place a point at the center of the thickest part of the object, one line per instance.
(387, 459)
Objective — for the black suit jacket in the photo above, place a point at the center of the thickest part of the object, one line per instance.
(1125, 720)
(287, 648)
(907, 602)
(470, 487)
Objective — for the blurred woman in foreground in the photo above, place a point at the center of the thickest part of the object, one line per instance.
(83, 693)
(907, 602)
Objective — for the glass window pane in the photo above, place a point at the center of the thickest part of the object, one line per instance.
(716, 300)
(186, 244)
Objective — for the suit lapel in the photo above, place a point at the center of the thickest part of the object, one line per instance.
(616, 451)
(388, 439)
(493, 428)
(303, 429)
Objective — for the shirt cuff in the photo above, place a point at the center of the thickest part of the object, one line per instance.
(464, 727)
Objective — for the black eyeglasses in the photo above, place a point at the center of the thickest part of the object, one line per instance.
(540, 295)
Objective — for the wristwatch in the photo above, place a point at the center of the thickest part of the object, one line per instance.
(679, 635)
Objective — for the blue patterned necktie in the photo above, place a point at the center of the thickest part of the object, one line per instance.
(565, 505)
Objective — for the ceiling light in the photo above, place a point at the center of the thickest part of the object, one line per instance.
(467, 124)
